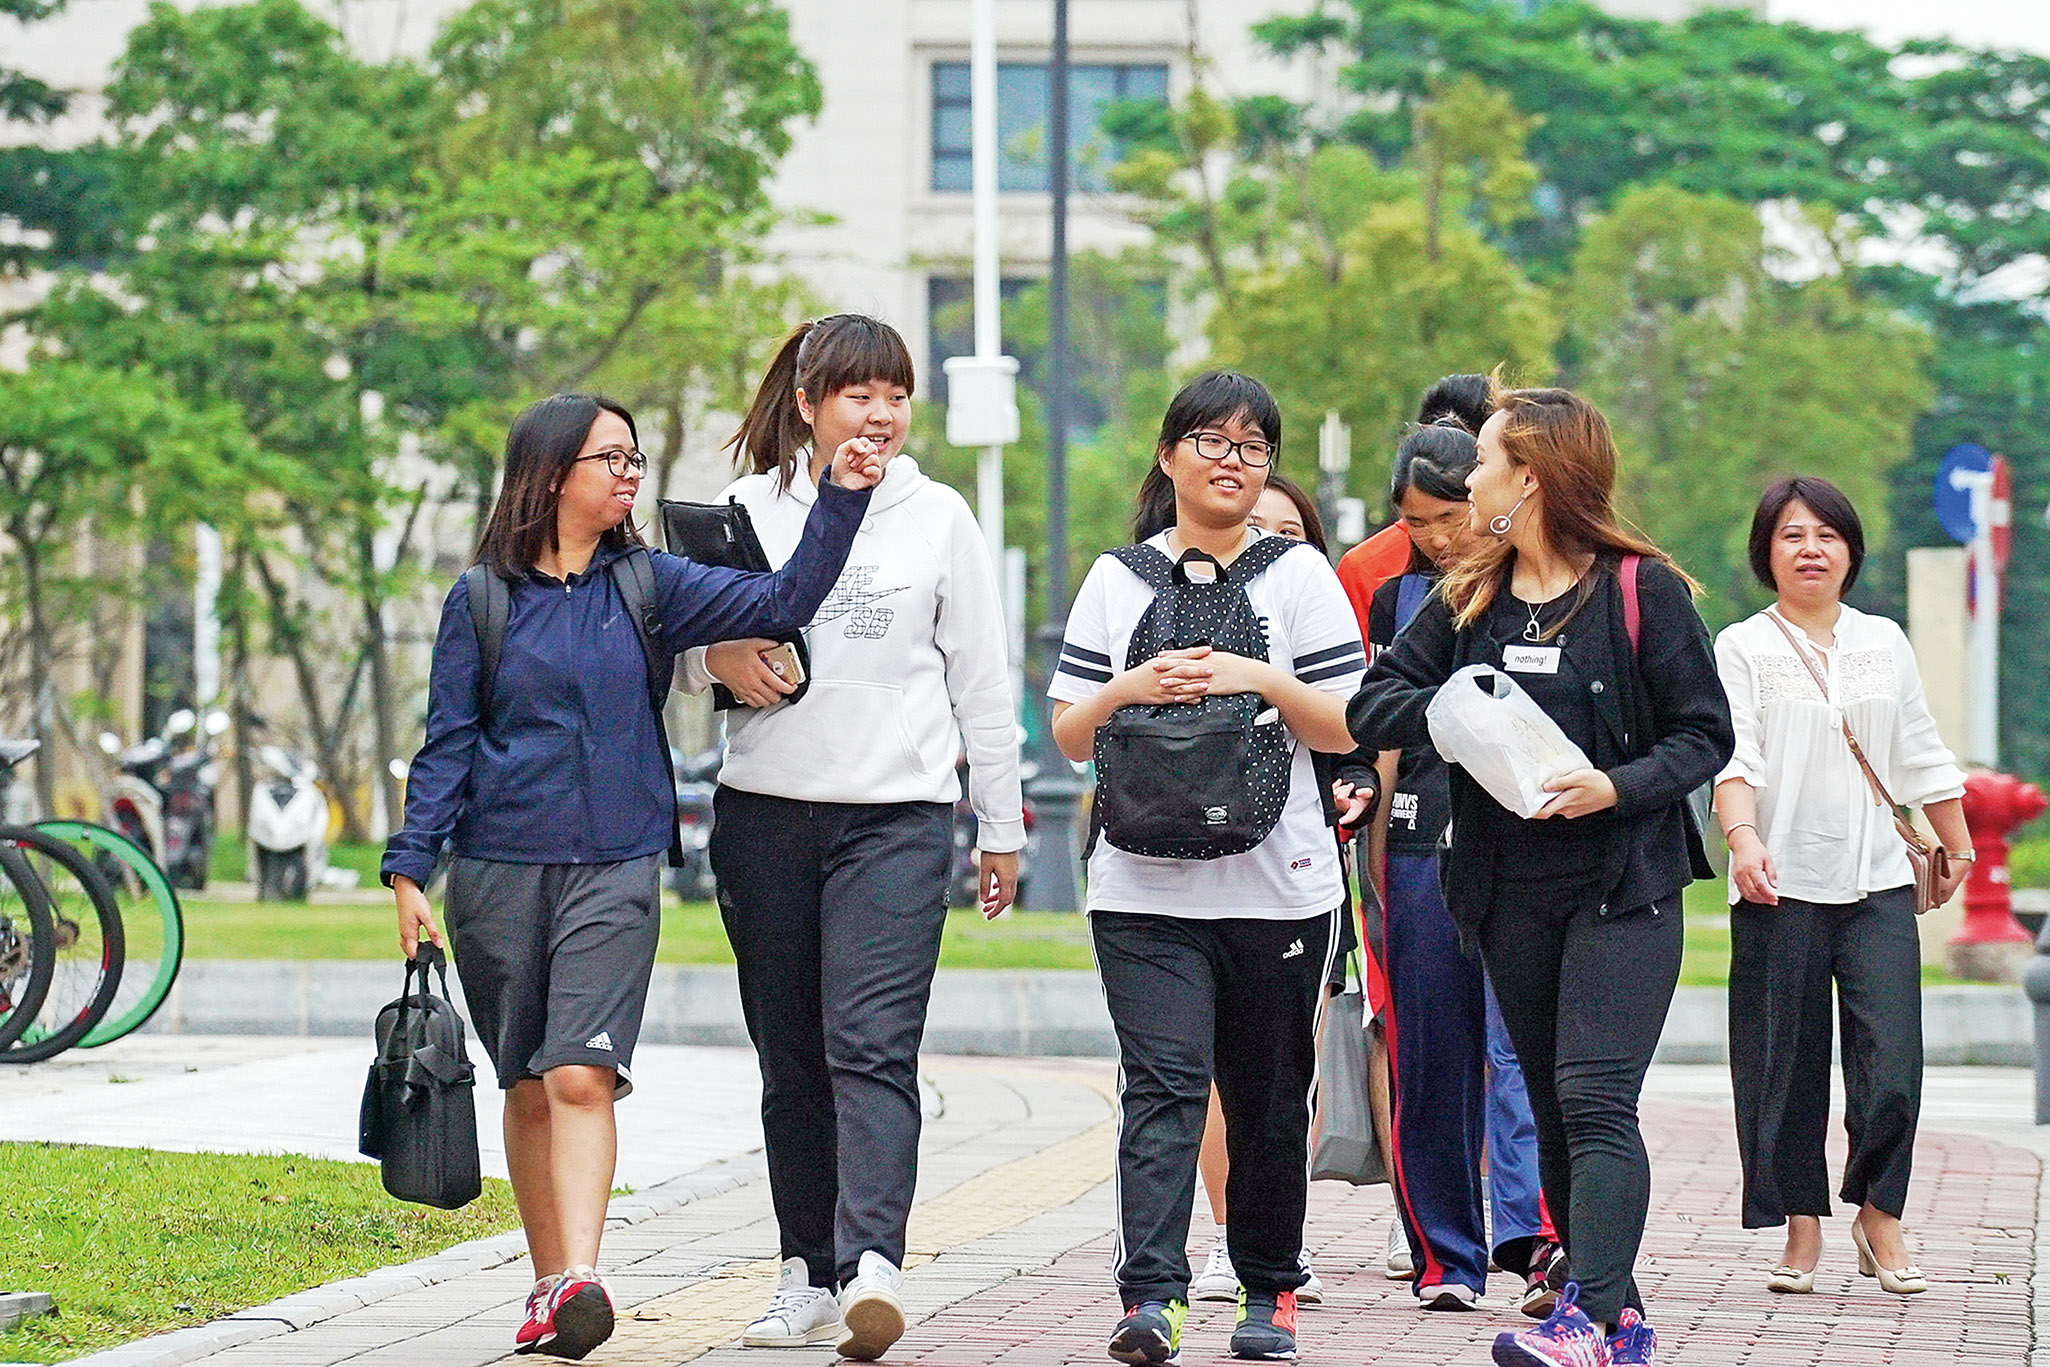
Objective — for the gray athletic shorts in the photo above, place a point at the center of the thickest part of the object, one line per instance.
(555, 960)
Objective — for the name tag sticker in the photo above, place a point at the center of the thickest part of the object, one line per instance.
(1531, 659)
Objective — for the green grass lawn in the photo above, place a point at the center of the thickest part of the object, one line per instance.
(133, 1242)
(691, 934)
(359, 925)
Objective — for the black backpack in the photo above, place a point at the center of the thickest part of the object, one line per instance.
(1197, 780)
(633, 575)
(419, 1115)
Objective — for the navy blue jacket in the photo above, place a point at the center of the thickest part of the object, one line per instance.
(569, 768)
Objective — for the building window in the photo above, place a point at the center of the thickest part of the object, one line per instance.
(950, 323)
(1022, 95)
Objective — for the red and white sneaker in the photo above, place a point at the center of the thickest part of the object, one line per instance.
(537, 1324)
(579, 1315)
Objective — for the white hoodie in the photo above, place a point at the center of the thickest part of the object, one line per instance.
(907, 660)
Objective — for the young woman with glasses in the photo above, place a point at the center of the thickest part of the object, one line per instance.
(559, 804)
(1215, 968)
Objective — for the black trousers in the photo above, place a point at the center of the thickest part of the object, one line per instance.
(835, 912)
(1782, 961)
(1237, 1000)
(1584, 994)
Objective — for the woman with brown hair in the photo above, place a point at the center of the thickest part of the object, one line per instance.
(1577, 910)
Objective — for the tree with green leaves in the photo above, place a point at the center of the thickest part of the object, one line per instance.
(95, 455)
(1345, 285)
(1719, 378)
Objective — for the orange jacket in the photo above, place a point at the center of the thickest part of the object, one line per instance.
(1369, 565)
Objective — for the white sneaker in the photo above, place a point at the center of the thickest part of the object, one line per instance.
(1398, 1266)
(870, 1310)
(799, 1314)
(1310, 1292)
(1219, 1280)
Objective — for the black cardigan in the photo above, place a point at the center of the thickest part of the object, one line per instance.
(1666, 732)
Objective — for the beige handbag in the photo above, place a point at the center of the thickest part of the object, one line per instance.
(1929, 863)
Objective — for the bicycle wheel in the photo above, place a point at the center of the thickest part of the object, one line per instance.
(28, 957)
(152, 925)
(88, 941)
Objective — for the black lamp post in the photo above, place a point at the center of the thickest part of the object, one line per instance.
(1056, 792)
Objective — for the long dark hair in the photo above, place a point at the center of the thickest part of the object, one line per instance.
(539, 451)
(1213, 397)
(821, 358)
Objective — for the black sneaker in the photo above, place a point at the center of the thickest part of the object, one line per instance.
(1150, 1334)
(1266, 1327)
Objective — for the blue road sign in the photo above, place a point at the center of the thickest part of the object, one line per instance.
(1953, 503)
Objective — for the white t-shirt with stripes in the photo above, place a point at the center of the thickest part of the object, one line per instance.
(1312, 633)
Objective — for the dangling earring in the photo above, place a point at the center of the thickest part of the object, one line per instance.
(1500, 523)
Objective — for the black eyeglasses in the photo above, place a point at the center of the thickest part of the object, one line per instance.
(618, 462)
(1216, 446)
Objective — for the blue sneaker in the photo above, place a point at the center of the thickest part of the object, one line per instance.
(1266, 1326)
(1567, 1338)
(1633, 1343)
(1150, 1334)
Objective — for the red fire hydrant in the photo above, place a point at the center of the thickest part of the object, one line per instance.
(1991, 946)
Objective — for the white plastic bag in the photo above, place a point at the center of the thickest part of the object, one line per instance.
(1484, 722)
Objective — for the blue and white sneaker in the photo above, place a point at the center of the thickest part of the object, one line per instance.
(1633, 1343)
(1567, 1338)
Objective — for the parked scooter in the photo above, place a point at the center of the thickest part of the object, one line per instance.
(288, 819)
(697, 778)
(163, 798)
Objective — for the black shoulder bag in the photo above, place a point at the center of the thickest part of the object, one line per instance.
(419, 1113)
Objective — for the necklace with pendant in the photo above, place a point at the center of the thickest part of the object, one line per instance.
(1533, 631)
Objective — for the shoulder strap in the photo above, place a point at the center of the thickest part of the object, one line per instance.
(1150, 563)
(1410, 593)
(1258, 555)
(1884, 798)
(490, 608)
(633, 574)
(1633, 614)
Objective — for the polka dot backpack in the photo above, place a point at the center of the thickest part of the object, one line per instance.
(1195, 780)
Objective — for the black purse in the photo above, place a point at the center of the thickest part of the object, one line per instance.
(419, 1113)
(723, 534)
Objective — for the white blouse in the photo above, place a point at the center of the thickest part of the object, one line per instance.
(1829, 838)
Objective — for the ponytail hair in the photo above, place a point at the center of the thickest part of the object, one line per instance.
(1565, 441)
(821, 358)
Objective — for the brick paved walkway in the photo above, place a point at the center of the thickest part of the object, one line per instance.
(1010, 1255)
(1700, 1275)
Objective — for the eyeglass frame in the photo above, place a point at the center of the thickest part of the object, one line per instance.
(1233, 448)
(635, 460)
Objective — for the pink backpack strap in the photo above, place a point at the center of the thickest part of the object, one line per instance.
(1633, 621)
